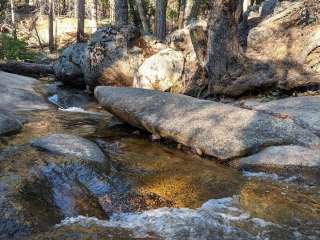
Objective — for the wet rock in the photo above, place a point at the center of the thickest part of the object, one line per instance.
(69, 100)
(217, 129)
(94, 232)
(282, 204)
(18, 93)
(8, 124)
(283, 156)
(161, 71)
(69, 66)
(39, 189)
(221, 218)
(304, 110)
(156, 171)
(70, 145)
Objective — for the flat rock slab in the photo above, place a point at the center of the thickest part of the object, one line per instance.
(304, 111)
(217, 129)
(17, 93)
(70, 145)
(9, 125)
(283, 156)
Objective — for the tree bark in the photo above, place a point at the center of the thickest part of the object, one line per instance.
(50, 20)
(80, 18)
(13, 18)
(75, 3)
(224, 50)
(182, 11)
(121, 12)
(24, 68)
(161, 17)
(112, 14)
(246, 5)
(143, 16)
(192, 10)
(94, 16)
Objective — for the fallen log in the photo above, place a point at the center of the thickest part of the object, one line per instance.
(26, 68)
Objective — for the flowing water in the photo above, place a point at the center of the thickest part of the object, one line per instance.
(153, 190)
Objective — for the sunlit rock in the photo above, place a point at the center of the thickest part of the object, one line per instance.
(161, 71)
(217, 129)
(304, 110)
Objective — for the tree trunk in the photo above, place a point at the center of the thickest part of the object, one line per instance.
(192, 10)
(75, 8)
(161, 17)
(51, 19)
(112, 14)
(13, 19)
(224, 51)
(94, 16)
(182, 11)
(133, 13)
(121, 12)
(143, 16)
(246, 5)
(80, 18)
(24, 68)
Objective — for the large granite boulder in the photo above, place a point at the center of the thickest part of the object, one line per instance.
(191, 41)
(216, 129)
(18, 93)
(293, 27)
(294, 64)
(69, 66)
(108, 59)
(161, 71)
(304, 110)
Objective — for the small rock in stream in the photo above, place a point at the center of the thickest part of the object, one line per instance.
(8, 124)
(70, 145)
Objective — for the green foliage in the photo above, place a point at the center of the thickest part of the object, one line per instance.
(14, 49)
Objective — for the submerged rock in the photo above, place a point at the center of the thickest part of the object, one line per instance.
(38, 189)
(70, 145)
(69, 100)
(304, 111)
(8, 124)
(217, 129)
(282, 204)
